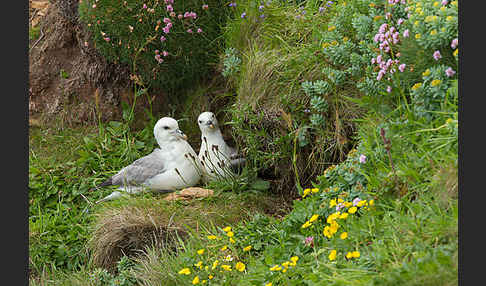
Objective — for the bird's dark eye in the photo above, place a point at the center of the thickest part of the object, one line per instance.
(166, 127)
(200, 121)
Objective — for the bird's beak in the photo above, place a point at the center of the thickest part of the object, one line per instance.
(181, 134)
(210, 124)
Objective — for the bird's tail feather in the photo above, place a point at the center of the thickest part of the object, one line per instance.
(108, 182)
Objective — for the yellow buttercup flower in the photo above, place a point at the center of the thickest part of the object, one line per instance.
(416, 86)
(455, 53)
(433, 32)
(226, 229)
(185, 271)
(286, 264)
(314, 218)
(232, 240)
(224, 248)
(332, 28)
(355, 254)
(306, 224)
(327, 232)
(372, 202)
(315, 190)
(426, 72)
(344, 235)
(276, 268)
(417, 36)
(203, 282)
(361, 203)
(428, 18)
(332, 255)
(226, 267)
(210, 276)
(306, 192)
(199, 264)
(344, 216)
(345, 39)
(372, 5)
(212, 237)
(454, 3)
(435, 82)
(215, 264)
(352, 210)
(334, 43)
(348, 204)
(200, 251)
(349, 255)
(269, 284)
(230, 234)
(325, 45)
(240, 266)
(449, 18)
(294, 259)
(442, 9)
(416, 23)
(377, 18)
(436, 3)
(195, 280)
(247, 248)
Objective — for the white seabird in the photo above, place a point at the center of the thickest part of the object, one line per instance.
(217, 158)
(172, 166)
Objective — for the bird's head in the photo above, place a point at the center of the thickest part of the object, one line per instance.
(207, 122)
(167, 129)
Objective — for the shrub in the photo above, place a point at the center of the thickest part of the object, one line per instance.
(167, 43)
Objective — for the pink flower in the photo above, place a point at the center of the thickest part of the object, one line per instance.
(437, 55)
(165, 53)
(189, 31)
(205, 7)
(401, 67)
(166, 20)
(388, 15)
(199, 30)
(406, 33)
(106, 39)
(162, 38)
(373, 61)
(309, 241)
(444, 2)
(379, 59)
(169, 25)
(166, 29)
(179, 16)
(383, 28)
(356, 200)
(169, 8)
(381, 73)
(144, 6)
(388, 89)
(94, 6)
(450, 72)
(172, 14)
(454, 43)
(156, 52)
(400, 21)
(362, 160)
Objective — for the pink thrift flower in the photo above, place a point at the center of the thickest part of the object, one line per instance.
(437, 55)
(165, 53)
(388, 89)
(162, 39)
(376, 38)
(189, 31)
(406, 33)
(156, 52)
(400, 21)
(166, 29)
(401, 67)
(381, 73)
(450, 72)
(388, 15)
(94, 6)
(373, 61)
(169, 8)
(357, 200)
(309, 241)
(179, 16)
(166, 20)
(199, 30)
(144, 6)
(444, 2)
(107, 39)
(454, 43)
(379, 59)
(172, 14)
(169, 25)
(383, 28)
(205, 7)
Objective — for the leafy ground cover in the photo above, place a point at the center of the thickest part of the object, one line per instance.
(384, 212)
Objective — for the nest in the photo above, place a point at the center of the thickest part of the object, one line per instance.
(129, 231)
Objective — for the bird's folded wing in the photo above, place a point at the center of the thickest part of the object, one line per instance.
(141, 170)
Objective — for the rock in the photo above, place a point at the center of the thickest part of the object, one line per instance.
(189, 193)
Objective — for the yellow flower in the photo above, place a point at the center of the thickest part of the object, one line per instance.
(442, 9)
(203, 282)
(361, 203)
(314, 218)
(426, 72)
(240, 266)
(349, 255)
(428, 18)
(276, 268)
(226, 229)
(355, 254)
(418, 9)
(433, 32)
(449, 18)
(416, 86)
(332, 255)
(332, 203)
(344, 235)
(199, 264)
(206, 268)
(416, 23)
(454, 3)
(224, 248)
(352, 210)
(230, 234)
(348, 204)
(195, 280)
(215, 264)
(455, 53)
(372, 202)
(327, 231)
(435, 82)
(344, 216)
(436, 3)
(419, 4)
(331, 28)
(306, 192)
(247, 248)
(314, 190)
(334, 227)
(210, 276)
(268, 284)
(417, 36)
(185, 271)
(294, 259)
(232, 240)
(345, 39)
(212, 237)
(334, 43)
(306, 224)
(286, 264)
(226, 267)
(377, 18)
(325, 45)
(372, 5)
(200, 251)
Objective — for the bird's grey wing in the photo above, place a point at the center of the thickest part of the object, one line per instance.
(237, 161)
(140, 170)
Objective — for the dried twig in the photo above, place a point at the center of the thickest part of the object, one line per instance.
(38, 40)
